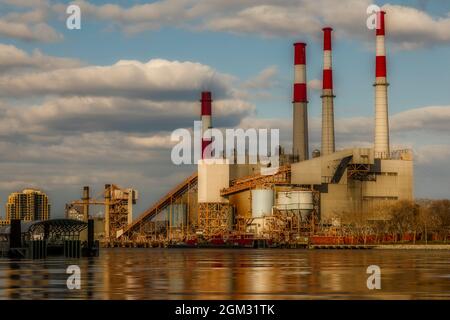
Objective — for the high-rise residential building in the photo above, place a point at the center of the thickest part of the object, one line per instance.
(28, 205)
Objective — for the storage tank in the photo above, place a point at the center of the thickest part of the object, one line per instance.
(296, 200)
(262, 202)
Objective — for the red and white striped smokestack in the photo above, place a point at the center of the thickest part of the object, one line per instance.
(206, 120)
(327, 96)
(381, 145)
(300, 148)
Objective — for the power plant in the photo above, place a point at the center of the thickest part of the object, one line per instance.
(226, 203)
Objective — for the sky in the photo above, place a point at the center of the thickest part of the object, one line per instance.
(97, 105)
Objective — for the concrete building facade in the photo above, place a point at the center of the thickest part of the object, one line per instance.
(352, 181)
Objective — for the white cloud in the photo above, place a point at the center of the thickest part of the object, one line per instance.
(29, 25)
(29, 32)
(156, 141)
(13, 58)
(268, 20)
(26, 3)
(407, 27)
(128, 96)
(90, 114)
(432, 153)
(432, 118)
(157, 79)
(410, 28)
(263, 80)
(259, 86)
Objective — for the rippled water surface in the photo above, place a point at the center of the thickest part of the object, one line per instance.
(232, 274)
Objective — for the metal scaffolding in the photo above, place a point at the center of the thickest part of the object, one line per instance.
(118, 208)
(215, 218)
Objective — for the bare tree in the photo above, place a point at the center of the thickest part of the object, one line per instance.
(437, 218)
(403, 217)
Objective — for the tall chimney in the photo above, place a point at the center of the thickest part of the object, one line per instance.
(86, 203)
(300, 102)
(381, 146)
(327, 96)
(206, 121)
(107, 195)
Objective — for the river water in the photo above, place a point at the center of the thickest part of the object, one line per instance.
(232, 274)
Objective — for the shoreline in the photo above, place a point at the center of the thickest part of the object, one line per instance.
(413, 246)
(316, 247)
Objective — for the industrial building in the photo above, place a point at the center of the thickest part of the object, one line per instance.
(117, 204)
(28, 205)
(74, 212)
(224, 202)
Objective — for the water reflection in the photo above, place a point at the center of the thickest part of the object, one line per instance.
(231, 274)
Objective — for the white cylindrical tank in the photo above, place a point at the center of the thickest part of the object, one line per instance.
(306, 203)
(283, 200)
(296, 200)
(262, 202)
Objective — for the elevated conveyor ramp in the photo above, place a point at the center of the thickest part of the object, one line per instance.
(157, 207)
(281, 176)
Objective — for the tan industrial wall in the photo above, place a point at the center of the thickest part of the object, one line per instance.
(212, 177)
(405, 178)
(340, 199)
(395, 182)
(317, 170)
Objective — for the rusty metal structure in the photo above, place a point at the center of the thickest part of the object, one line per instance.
(159, 225)
(118, 208)
(281, 177)
(215, 218)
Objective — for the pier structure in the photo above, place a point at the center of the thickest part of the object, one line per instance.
(40, 239)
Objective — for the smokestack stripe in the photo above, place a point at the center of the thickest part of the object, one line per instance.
(206, 113)
(300, 90)
(328, 143)
(381, 143)
(300, 148)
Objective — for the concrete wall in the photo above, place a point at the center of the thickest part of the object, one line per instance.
(339, 199)
(317, 170)
(394, 182)
(212, 177)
